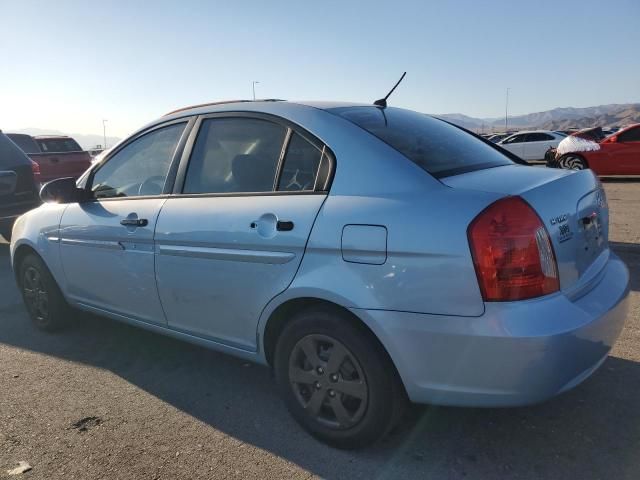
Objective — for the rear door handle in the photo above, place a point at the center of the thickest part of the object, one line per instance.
(134, 222)
(284, 226)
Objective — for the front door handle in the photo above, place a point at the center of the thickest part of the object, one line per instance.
(134, 222)
(284, 226)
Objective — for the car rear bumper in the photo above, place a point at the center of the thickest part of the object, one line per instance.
(516, 353)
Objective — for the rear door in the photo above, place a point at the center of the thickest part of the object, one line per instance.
(106, 243)
(234, 234)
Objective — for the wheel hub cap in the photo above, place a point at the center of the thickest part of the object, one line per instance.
(328, 381)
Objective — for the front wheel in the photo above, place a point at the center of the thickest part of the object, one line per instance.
(336, 380)
(42, 297)
(572, 162)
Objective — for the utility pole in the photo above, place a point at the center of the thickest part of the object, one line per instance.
(506, 113)
(104, 133)
(253, 87)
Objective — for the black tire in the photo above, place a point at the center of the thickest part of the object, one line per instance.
(45, 303)
(571, 161)
(365, 370)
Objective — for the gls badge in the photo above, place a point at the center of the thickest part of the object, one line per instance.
(564, 229)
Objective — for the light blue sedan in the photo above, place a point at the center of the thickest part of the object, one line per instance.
(370, 255)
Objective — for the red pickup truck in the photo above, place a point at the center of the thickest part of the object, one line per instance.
(57, 156)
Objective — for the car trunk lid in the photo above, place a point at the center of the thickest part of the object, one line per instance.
(571, 205)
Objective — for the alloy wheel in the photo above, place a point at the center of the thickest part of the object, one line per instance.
(572, 162)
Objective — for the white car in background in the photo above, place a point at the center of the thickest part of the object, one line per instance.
(532, 144)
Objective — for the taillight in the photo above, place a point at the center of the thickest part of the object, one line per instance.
(35, 168)
(512, 252)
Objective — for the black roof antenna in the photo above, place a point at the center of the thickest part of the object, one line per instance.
(383, 101)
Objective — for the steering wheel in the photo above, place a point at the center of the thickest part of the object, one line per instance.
(155, 184)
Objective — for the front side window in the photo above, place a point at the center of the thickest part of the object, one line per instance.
(235, 155)
(514, 139)
(140, 167)
(632, 135)
(538, 137)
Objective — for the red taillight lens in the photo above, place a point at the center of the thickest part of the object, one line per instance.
(35, 168)
(512, 252)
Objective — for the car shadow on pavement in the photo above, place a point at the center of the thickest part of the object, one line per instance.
(590, 432)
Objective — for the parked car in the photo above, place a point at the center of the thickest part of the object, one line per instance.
(18, 185)
(57, 156)
(531, 145)
(367, 254)
(618, 154)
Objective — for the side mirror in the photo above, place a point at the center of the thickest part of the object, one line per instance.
(613, 139)
(62, 190)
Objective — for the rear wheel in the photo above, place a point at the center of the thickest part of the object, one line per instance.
(336, 380)
(572, 162)
(44, 301)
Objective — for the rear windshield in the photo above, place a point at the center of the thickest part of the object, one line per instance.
(10, 155)
(58, 145)
(26, 143)
(436, 146)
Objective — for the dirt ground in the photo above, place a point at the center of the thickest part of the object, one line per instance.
(106, 401)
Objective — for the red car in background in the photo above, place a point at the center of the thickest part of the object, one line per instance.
(619, 154)
(57, 156)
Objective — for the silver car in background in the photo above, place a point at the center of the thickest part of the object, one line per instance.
(369, 255)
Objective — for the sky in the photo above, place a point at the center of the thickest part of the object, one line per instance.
(67, 65)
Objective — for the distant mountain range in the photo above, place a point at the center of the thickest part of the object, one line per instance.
(85, 141)
(556, 119)
(612, 115)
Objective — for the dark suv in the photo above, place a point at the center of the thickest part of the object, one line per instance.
(18, 187)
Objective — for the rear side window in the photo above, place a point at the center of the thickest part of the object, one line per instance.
(26, 143)
(434, 145)
(10, 154)
(58, 145)
(301, 165)
(235, 155)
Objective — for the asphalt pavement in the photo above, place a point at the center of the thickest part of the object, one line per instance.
(104, 400)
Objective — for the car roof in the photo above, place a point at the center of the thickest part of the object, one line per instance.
(628, 127)
(211, 107)
(50, 137)
(533, 131)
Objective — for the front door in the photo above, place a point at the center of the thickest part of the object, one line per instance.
(106, 243)
(515, 144)
(235, 234)
(629, 155)
(537, 144)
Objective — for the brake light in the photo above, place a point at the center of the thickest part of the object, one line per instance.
(35, 168)
(512, 252)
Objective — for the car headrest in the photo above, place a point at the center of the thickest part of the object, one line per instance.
(251, 173)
